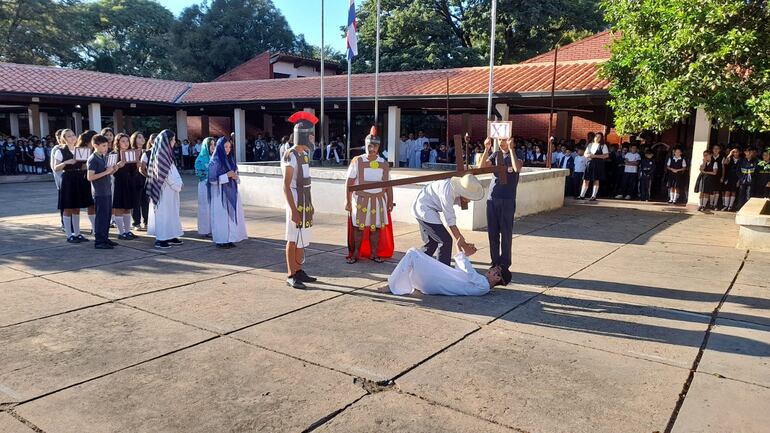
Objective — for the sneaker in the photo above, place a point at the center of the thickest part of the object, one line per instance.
(103, 246)
(619, 196)
(61, 229)
(135, 226)
(592, 199)
(142, 228)
(113, 243)
(628, 197)
(162, 245)
(304, 277)
(295, 283)
(82, 238)
(700, 208)
(124, 237)
(73, 240)
(230, 245)
(580, 198)
(131, 236)
(175, 242)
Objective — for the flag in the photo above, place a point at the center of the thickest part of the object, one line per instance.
(351, 38)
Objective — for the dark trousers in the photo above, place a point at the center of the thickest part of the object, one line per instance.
(103, 215)
(629, 184)
(645, 187)
(500, 230)
(142, 210)
(186, 162)
(744, 194)
(577, 183)
(436, 236)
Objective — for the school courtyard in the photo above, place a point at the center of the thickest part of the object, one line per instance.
(621, 318)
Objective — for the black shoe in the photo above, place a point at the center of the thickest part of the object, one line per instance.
(73, 240)
(230, 245)
(580, 198)
(222, 246)
(124, 237)
(113, 243)
(592, 199)
(305, 278)
(162, 245)
(81, 238)
(131, 236)
(103, 246)
(175, 242)
(295, 283)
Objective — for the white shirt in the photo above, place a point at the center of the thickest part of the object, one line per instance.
(197, 148)
(555, 157)
(438, 196)
(593, 148)
(675, 159)
(403, 151)
(185, 149)
(580, 164)
(417, 270)
(39, 153)
(632, 157)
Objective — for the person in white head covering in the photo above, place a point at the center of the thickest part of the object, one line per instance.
(440, 197)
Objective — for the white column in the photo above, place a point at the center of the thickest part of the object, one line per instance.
(78, 121)
(394, 134)
(267, 121)
(44, 125)
(14, 117)
(95, 117)
(33, 115)
(181, 125)
(700, 143)
(504, 110)
(117, 120)
(239, 120)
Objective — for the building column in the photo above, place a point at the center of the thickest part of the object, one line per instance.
(129, 124)
(701, 138)
(181, 125)
(239, 124)
(267, 121)
(118, 123)
(504, 111)
(44, 125)
(14, 118)
(95, 117)
(78, 123)
(205, 125)
(563, 125)
(394, 134)
(33, 112)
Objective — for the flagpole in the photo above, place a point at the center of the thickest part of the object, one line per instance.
(377, 68)
(349, 125)
(323, 120)
(492, 64)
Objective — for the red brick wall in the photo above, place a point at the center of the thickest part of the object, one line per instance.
(218, 126)
(258, 68)
(525, 125)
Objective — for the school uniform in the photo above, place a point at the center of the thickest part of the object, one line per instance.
(578, 174)
(301, 234)
(748, 169)
(646, 173)
(676, 180)
(762, 178)
(707, 183)
(630, 174)
(124, 193)
(501, 207)
(538, 160)
(102, 193)
(568, 163)
(75, 188)
(595, 167)
(141, 211)
(732, 175)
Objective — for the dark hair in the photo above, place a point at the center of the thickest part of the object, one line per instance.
(505, 274)
(106, 130)
(116, 141)
(98, 139)
(84, 139)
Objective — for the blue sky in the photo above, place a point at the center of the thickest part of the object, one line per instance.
(305, 19)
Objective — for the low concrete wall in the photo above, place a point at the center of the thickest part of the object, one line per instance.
(539, 190)
(754, 222)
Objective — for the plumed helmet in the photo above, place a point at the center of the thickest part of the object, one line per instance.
(304, 126)
(372, 139)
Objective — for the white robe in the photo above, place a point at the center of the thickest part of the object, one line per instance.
(223, 228)
(419, 271)
(204, 209)
(163, 221)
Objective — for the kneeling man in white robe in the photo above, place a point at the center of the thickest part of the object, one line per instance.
(418, 270)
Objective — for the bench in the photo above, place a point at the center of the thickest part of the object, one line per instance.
(754, 222)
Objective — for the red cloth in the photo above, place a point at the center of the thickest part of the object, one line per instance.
(384, 249)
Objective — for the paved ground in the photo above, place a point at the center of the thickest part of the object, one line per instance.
(621, 319)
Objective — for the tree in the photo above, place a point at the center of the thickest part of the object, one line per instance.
(41, 32)
(131, 37)
(438, 34)
(210, 40)
(678, 55)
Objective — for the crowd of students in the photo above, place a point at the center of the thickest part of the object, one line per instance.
(25, 155)
(132, 182)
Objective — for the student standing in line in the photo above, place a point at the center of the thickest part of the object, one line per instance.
(596, 156)
(39, 158)
(163, 186)
(109, 134)
(501, 205)
(56, 174)
(748, 166)
(75, 188)
(204, 188)
(227, 221)
(630, 173)
(677, 170)
(579, 173)
(646, 172)
(732, 174)
(567, 162)
(138, 142)
(707, 179)
(185, 155)
(124, 195)
(762, 182)
(101, 185)
(718, 158)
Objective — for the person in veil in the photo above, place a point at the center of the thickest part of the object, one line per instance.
(163, 186)
(204, 190)
(227, 221)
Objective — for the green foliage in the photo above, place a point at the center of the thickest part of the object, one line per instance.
(677, 55)
(435, 34)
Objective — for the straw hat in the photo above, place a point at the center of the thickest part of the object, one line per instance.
(468, 187)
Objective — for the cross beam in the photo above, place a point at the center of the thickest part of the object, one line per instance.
(429, 178)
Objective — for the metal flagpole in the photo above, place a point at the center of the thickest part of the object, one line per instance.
(549, 161)
(350, 128)
(323, 120)
(492, 65)
(377, 68)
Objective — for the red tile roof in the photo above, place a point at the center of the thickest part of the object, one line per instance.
(509, 79)
(594, 47)
(46, 80)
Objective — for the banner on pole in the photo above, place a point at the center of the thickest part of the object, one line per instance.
(500, 130)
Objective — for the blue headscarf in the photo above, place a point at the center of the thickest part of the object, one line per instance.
(220, 164)
(202, 161)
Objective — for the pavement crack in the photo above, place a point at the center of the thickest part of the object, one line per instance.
(702, 349)
(25, 421)
(372, 386)
(331, 416)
